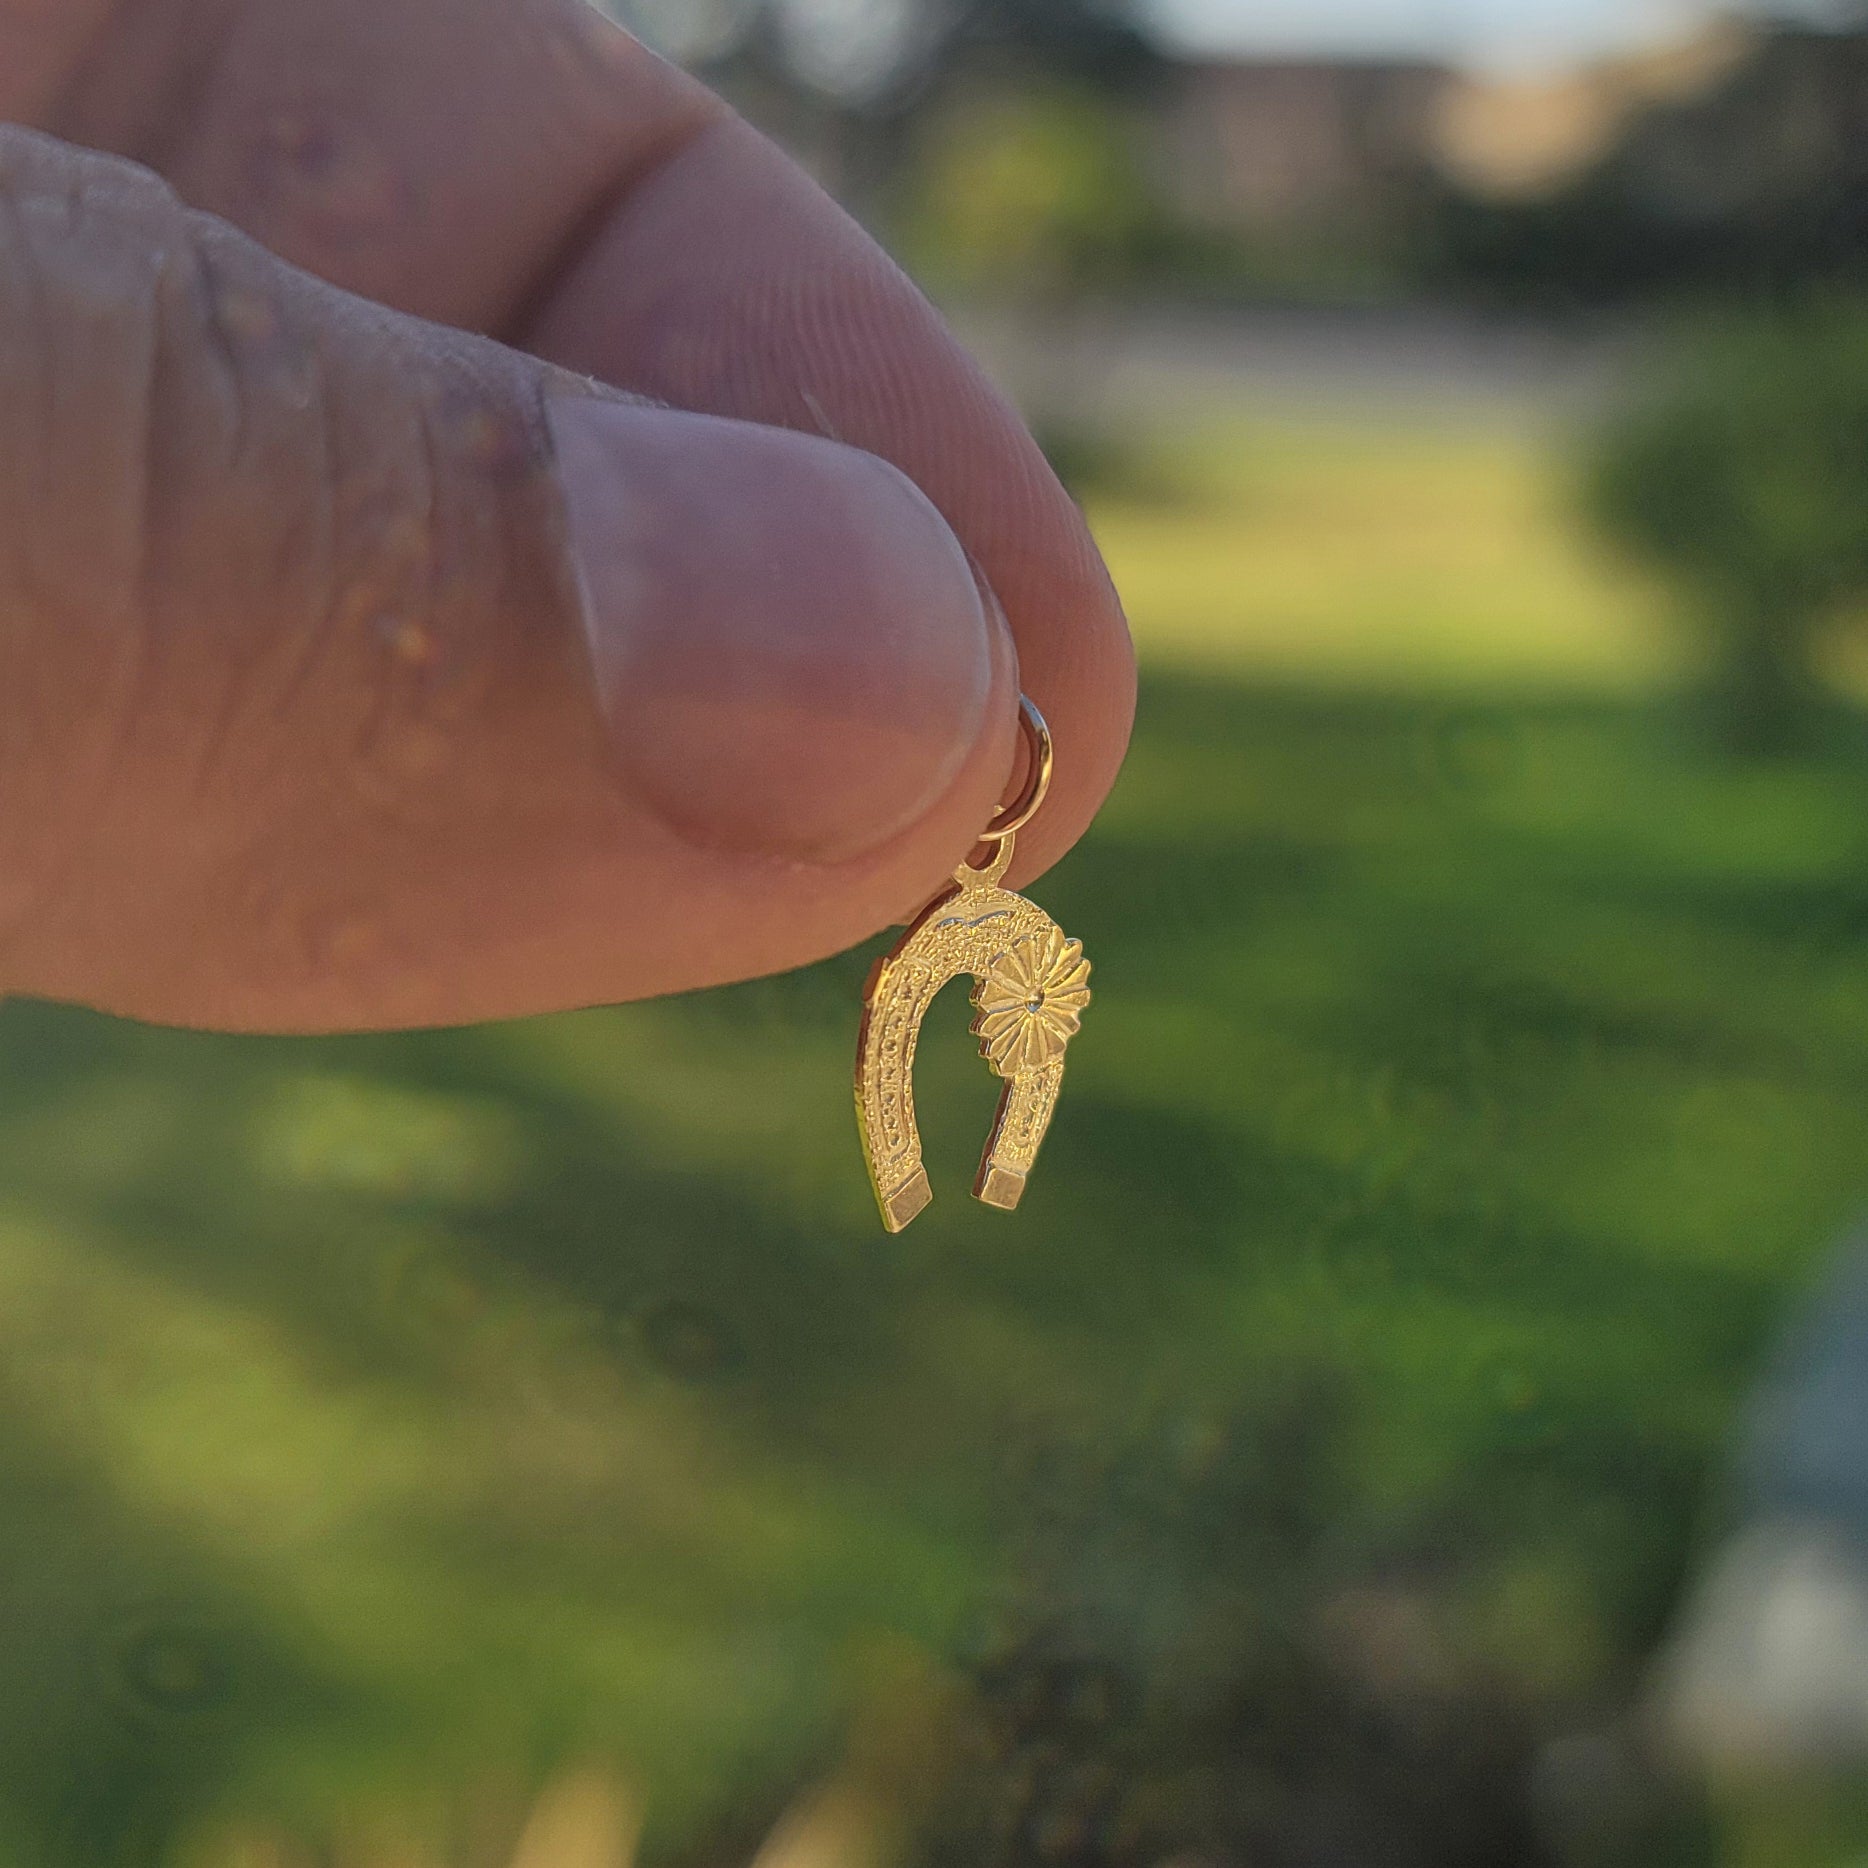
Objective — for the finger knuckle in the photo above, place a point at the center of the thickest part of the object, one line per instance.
(259, 542)
(78, 341)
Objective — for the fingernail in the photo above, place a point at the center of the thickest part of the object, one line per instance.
(789, 644)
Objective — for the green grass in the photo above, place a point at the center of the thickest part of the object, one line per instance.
(1473, 1078)
(1376, 553)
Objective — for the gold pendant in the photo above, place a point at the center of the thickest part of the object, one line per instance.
(1032, 985)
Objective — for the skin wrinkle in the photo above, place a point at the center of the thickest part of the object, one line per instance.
(517, 873)
(358, 588)
(284, 67)
(211, 313)
(368, 767)
(81, 209)
(533, 297)
(273, 346)
(327, 584)
(134, 609)
(193, 85)
(55, 73)
(31, 718)
(639, 160)
(184, 326)
(68, 843)
(350, 947)
(38, 589)
(27, 276)
(147, 392)
(188, 55)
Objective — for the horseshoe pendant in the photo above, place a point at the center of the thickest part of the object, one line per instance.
(1031, 988)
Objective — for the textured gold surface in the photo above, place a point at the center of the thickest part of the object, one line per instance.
(1033, 985)
(999, 1186)
(910, 1198)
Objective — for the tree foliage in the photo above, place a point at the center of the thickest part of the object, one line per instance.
(881, 55)
(1027, 193)
(1743, 473)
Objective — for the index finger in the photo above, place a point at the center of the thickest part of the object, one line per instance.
(727, 282)
(524, 168)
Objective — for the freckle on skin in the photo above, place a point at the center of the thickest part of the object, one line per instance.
(490, 440)
(247, 315)
(314, 167)
(411, 643)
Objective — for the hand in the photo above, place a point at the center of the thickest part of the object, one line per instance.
(373, 650)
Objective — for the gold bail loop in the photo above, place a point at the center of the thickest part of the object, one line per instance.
(1042, 753)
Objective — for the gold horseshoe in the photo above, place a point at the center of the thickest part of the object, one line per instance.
(1032, 986)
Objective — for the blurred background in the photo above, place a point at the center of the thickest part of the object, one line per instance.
(1419, 1418)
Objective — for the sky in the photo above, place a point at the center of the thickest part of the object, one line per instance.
(1498, 33)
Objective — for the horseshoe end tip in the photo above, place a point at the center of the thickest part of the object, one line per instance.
(999, 1187)
(911, 1198)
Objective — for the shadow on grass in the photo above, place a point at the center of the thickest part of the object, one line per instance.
(1468, 1086)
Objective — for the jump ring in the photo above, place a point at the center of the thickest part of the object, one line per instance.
(1030, 800)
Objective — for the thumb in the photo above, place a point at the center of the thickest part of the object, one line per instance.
(356, 672)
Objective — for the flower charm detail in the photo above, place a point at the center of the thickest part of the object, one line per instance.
(1031, 1002)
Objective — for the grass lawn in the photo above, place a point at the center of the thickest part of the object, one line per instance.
(1376, 554)
(1478, 1068)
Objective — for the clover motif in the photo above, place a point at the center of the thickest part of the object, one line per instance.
(1030, 1003)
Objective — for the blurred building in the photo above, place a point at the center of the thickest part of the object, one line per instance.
(1520, 138)
(1738, 163)
(1269, 146)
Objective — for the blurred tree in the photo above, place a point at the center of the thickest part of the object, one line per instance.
(869, 54)
(1031, 200)
(1035, 191)
(1745, 474)
(845, 82)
